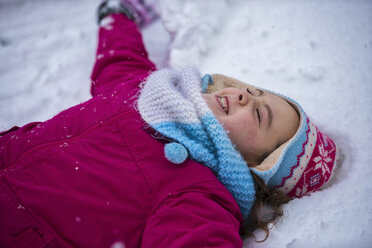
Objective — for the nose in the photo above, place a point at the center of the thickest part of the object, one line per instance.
(244, 97)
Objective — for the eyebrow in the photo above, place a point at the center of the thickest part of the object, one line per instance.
(270, 114)
(260, 92)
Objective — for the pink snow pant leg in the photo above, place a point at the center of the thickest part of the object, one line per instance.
(121, 55)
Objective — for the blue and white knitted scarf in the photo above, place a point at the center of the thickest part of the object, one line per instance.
(171, 103)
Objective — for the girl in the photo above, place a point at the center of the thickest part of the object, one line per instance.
(150, 161)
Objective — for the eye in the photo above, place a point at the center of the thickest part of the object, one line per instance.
(258, 115)
(250, 92)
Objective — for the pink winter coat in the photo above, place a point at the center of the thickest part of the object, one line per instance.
(94, 176)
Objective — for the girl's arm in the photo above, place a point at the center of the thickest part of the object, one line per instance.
(192, 220)
(121, 55)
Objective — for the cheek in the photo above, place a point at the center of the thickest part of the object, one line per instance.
(242, 133)
(240, 124)
(229, 125)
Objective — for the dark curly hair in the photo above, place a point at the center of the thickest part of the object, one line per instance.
(266, 209)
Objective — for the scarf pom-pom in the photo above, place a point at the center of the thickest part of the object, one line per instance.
(175, 153)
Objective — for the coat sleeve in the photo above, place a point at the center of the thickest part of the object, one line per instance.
(192, 220)
(121, 55)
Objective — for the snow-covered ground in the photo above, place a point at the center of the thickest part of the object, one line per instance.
(318, 52)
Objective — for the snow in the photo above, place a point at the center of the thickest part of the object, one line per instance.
(106, 23)
(317, 52)
(118, 244)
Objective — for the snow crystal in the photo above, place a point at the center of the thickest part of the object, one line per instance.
(118, 244)
(78, 219)
(64, 144)
(20, 207)
(106, 22)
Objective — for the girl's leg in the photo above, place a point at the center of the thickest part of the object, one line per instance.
(121, 55)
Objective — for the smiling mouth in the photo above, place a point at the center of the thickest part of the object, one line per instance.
(223, 101)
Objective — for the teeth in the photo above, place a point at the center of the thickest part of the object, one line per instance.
(223, 102)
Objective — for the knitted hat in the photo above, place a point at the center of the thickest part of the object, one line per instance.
(304, 163)
(301, 165)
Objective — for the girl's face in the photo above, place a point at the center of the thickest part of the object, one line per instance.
(257, 122)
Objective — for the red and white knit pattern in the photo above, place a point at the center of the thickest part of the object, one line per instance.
(314, 168)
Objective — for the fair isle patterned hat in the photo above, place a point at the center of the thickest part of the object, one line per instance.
(304, 163)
